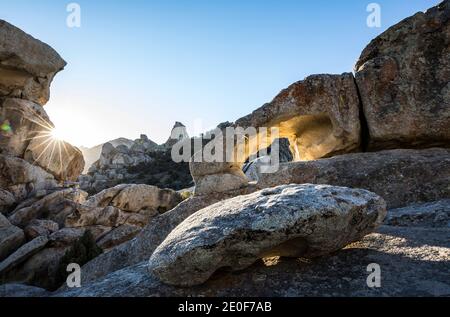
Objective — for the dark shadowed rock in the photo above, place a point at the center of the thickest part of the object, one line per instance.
(404, 80)
(40, 227)
(40, 269)
(118, 236)
(398, 250)
(23, 253)
(434, 215)
(291, 221)
(11, 237)
(401, 177)
(7, 200)
(21, 290)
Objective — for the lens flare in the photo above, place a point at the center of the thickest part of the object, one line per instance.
(57, 134)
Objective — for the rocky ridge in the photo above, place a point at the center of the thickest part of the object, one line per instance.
(140, 162)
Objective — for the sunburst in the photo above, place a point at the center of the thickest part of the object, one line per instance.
(47, 144)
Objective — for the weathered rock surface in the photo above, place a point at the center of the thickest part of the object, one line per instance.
(401, 177)
(319, 115)
(142, 246)
(216, 174)
(21, 178)
(23, 120)
(65, 236)
(27, 66)
(40, 269)
(11, 237)
(178, 133)
(7, 200)
(55, 206)
(255, 167)
(85, 216)
(434, 215)
(398, 250)
(291, 221)
(92, 155)
(61, 159)
(124, 204)
(118, 236)
(21, 290)
(404, 80)
(23, 253)
(26, 134)
(135, 198)
(40, 227)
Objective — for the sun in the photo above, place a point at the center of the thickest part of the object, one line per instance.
(57, 135)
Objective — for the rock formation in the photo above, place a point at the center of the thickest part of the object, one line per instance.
(403, 77)
(399, 251)
(92, 155)
(141, 248)
(19, 179)
(361, 133)
(61, 217)
(319, 116)
(401, 177)
(11, 237)
(254, 169)
(178, 133)
(27, 66)
(291, 221)
(141, 161)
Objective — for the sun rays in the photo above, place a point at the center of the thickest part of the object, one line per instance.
(46, 144)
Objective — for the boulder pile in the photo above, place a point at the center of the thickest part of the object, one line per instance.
(42, 212)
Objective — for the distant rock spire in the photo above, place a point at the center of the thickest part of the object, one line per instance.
(178, 133)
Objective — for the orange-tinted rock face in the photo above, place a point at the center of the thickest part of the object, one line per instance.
(319, 116)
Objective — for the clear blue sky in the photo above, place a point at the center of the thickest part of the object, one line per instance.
(138, 66)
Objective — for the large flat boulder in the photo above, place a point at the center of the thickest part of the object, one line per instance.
(398, 250)
(291, 221)
(22, 254)
(11, 237)
(401, 177)
(27, 65)
(403, 77)
(434, 214)
(319, 116)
